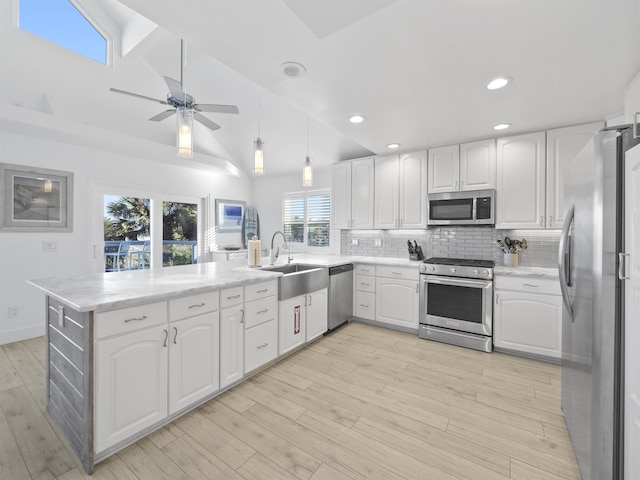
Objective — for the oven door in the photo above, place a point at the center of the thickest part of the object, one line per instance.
(459, 304)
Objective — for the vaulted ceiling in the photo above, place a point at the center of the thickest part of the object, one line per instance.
(416, 69)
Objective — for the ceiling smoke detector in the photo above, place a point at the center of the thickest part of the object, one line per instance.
(293, 69)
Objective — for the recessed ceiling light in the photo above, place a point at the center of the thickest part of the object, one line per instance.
(499, 82)
(502, 126)
(293, 69)
(393, 145)
(356, 119)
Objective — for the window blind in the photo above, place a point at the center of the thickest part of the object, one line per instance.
(306, 217)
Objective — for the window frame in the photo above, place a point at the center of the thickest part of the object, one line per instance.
(306, 194)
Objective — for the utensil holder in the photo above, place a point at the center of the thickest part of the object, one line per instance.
(510, 259)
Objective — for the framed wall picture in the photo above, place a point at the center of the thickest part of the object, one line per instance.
(229, 215)
(35, 199)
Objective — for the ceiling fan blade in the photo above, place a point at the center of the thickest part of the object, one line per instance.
(210, 107)
(162, 115)
(174, 85)
(205, 121)
(144, 97)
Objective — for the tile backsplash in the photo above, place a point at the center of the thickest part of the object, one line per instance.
(458, 242)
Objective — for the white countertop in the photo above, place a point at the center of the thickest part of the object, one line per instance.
(526, 271)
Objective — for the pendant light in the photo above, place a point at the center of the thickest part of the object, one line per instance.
(307, 172)
(185, 129)
(258, 150)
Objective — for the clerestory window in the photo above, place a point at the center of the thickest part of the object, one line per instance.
(60, 22)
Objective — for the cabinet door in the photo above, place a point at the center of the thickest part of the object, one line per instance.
(478, 165)
(260, 344)
(528, 322)
(231, 345)
(341, 195)
(130, 384)
(194, 359)
(364, 305)
(520, 198)
(563, 144)
(413, 190)
(397, 302)
(387, 195)
(444, 169)
(362, 185)
(317, 313)
(292, 323)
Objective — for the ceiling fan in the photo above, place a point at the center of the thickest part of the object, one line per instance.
(181, 101)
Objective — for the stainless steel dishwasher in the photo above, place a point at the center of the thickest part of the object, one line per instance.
(340, 295)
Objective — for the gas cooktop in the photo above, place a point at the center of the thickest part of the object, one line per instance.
(460, 262)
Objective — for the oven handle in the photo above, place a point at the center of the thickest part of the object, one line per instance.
(457, 282)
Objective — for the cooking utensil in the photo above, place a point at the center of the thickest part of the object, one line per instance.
(502, 246)
(411, 251)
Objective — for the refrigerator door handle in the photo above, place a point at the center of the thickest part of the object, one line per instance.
(562, 259)
(622, 267)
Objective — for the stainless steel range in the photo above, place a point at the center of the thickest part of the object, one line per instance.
(456, 302)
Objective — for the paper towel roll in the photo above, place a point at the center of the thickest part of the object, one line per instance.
(254, 252)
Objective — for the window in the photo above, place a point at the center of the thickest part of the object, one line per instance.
(306, 217)
(60, 22)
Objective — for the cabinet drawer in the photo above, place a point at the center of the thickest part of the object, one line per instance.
(365, 269)
(549, 286)
(365, 306)
(260, 311)
(364, 283)
(260, 290)
(231, 296)
(260, 345)
(193, 305)
(129, 319)
(403, 273)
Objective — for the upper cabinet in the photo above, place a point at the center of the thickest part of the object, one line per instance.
(469, 166)
(520, 195)
(400, 186)
(563, 144)
(352, 185)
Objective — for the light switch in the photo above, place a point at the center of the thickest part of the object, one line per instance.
(354, 242)
(377, 242)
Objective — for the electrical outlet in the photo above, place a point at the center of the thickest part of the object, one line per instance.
(354, 242)
(377, 242)
(12, 312)
(50, 246)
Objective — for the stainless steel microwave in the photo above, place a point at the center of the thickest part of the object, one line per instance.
(474, 207)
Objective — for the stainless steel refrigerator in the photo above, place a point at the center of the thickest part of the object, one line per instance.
(593, 323)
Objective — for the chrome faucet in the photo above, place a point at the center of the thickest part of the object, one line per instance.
(273, 256)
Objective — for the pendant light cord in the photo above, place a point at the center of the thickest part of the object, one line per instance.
(307, 135)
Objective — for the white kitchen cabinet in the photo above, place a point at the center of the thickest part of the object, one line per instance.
(520, 188)
(468, 166)
(352, 188)
(397, 296)
(261, 324)
(231, 336)
(563, 144)
(400, 186)
(194, 359)
(131, 380)
(291, 330)
(317, 314)
(527, 316)
(364, 295)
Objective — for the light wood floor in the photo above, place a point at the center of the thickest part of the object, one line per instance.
(363, 403)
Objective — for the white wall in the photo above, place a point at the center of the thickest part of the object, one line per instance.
(267, 198)
(21, 254)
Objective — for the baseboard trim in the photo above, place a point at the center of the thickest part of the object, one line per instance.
(20, 334)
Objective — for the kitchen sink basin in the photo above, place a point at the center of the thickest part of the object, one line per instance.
(298, 279)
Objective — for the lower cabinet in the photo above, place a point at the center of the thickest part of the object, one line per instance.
(397, 296)
(231, 345)
(131, 379)
(528, 316)
(317, 313)
(302, 319)
(260, 344)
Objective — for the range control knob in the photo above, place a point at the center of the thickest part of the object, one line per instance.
(475, 272)
(452, 269)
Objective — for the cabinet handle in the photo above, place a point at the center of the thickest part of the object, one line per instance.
(456, 186)
(550, 220)
(417, 288)
(365, 270)
(263, 290)
(310, 298)
(166, 336)
(461, 184)
(364, 284)
(233, 296)
(541, 221)
(496, 299)
(262, 311)
(175, 335)
(262, 346)
(198, 305)
(530, 285)
(242, 317)
(138, 319)
(364, 306)
(396, 273)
